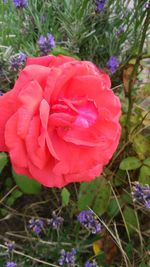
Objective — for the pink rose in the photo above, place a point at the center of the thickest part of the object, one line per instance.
(60, 122)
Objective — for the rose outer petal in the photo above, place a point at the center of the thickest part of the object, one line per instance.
(7, 108)
(49, 61)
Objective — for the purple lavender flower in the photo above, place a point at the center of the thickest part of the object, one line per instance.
(113, 64)
(46, 43)
(36, 225)
(1, 93)
(147, 204)
(10, 246)
(55, 221)
(11, 264)
(88, 219)
(141, 194)
(100, 4)
(20, 3)
(18, 61)
(147, 5)
(120, 30)
(42, 18)
(91, 264)
(67, 258)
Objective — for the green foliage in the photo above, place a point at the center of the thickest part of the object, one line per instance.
(94, 195)
(144, 177)
(130, 163)
(13, 197)
(65, 197)
(3, 160)
(141, 145)
(142, 264)
(113, 208)
(82, 33)
(131, 219)
(28, 186)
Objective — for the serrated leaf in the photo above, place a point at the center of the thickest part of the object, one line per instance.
(144, 177)
(28, 186)
(65, 197)
(130, 218)
(3, 160)
(94, 194)
(130, 163)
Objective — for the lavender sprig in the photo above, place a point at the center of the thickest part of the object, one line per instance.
(88, 219)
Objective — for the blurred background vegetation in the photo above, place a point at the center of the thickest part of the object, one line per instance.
(116, 37)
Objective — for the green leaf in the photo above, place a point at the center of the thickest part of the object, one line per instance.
(3, 212)
(28, 186)
(8, 182)
(130, 218)
(130, 163)
(120, 178)
(16, 194)
(3, 160)
(142, 264)
(58, 50)
(65, 197)
(113, 208)
(10, 201)
(126, 198)
(147, 162)
(94, 194)
(129, 249)
(141, 145)
(144, 177)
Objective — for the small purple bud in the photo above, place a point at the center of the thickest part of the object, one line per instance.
(67, 258)
(113, 64)
(18, 61)
(10, 246)
(88, 219)
(100, 5)
(20, 3)
(55, 221)
(141, 194)
(120, 30)
(11, 264)
(91, 264)
(36, 225)
(146, 5)
(46, 43)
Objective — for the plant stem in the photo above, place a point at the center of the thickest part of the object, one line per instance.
(135, 69)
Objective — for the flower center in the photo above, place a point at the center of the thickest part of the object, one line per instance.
(87, 115)
(81, 112)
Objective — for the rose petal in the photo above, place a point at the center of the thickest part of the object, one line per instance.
(93, 88)
(16, 146)
(49, 61)
(38, 155)
(7, 108)
(45, 176)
